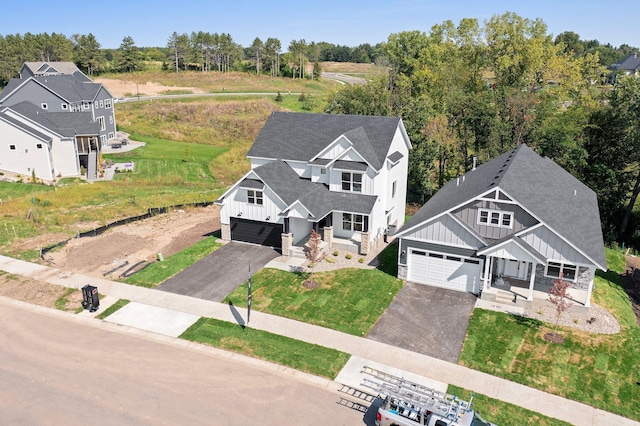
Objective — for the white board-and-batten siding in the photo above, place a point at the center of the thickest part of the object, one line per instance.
(551, 246)
(445, 230)
(238, 206)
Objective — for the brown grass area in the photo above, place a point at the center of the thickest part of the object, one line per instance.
(39, 292)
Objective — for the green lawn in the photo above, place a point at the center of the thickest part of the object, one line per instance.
(302, 356)
(600, 370)
(502, 413)
(160, 271)
(348, 300)
(10, 190)
(113, 308)
(168, 161)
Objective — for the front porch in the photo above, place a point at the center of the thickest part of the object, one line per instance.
(509, 291)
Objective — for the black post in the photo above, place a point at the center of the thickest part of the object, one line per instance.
(249, 296)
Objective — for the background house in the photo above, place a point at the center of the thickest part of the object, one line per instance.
(627, 66)
(344, 176)
(55, 121)
(514, 224)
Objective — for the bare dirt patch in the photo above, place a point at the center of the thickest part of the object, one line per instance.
(631, 283)
(136, 242)
(122, 88)
(39, 292)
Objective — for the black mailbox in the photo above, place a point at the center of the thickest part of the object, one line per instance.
(90, 299)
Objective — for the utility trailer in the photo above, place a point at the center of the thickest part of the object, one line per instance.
(407, 403)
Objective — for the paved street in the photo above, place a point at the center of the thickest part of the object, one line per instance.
(56, 368)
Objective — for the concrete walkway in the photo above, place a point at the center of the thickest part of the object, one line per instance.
(382, 354)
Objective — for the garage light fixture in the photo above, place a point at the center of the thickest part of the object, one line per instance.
(268, 218)
(239, 214)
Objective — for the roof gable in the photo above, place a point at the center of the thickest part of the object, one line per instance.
(302, 137)
(541, 187)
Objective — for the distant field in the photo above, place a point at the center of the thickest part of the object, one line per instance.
(353, 68)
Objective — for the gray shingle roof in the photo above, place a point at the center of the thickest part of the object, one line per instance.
(300, 136)
(630, 63)
(350, 165)
(67, 124)
(538, 184)
(316, 197)
(51, 67)
(25, 127)
(395, 157)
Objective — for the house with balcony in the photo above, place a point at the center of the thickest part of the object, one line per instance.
(55, 121)
(507, 230)
(343, 176)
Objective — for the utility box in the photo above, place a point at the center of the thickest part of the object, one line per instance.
(90, 299)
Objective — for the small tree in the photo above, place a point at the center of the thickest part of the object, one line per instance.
(559, 296)
(314, 252)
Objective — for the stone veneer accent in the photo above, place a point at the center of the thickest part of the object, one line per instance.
(402, 272)
(225, 231)
(364, 243)
(287, 243)
(582, 283)
(328, 236)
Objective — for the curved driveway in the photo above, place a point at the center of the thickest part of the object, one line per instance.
(221, 272)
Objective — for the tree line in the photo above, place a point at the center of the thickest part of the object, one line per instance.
(472, 90)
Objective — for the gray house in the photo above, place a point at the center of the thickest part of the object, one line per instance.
(344, 176)
(54, 99)
(510, 226)
(627, 66)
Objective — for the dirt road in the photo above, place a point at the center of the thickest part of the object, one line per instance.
(59, 370)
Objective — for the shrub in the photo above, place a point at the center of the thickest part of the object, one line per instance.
(330, 260)
(361, 260)
(278, 97)
(335, 253)
(348, 256)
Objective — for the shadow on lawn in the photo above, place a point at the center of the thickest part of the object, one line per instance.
(236, 315)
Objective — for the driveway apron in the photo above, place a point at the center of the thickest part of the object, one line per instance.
(429, 320)
(221, 272)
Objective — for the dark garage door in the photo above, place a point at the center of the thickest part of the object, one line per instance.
(250, 231)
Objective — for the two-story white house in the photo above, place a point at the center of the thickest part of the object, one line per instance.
(343, 176)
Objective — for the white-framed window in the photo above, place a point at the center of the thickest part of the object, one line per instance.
(65, 106)
(111, 119)
(110, 135)
(107, 103)
(554, 269)
(12, 147)
(101, 103)
(102, 125)
(498, 218)
(103, 140)
(44, 105)
(323, 171)
(39, 146)
(254, 197)
(352, 182)
(85, 105)
(394, 186)
(352, 222)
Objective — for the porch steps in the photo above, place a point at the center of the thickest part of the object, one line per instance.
(505, 297)
(298, 252)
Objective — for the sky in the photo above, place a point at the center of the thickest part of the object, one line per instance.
(346, 22)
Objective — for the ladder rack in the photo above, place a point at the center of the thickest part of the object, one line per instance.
(413, 397)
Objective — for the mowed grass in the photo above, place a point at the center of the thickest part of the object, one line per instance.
(347, 300)
(600, 370)
(502, 413)
(314, 359)
(160, 271)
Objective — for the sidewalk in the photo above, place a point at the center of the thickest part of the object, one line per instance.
(188, 309)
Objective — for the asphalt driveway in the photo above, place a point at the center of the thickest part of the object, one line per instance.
(221, 272)
(428, 320)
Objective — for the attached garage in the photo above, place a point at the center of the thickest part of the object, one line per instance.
(251, 231)
(448, 271)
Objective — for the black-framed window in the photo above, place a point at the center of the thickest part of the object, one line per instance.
(353, 222)
(254, 197)
(352, 182)
(568, 271)
(498, 218)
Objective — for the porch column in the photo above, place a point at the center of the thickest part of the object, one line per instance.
(587, 302)
(487, 273)
(225, 231)
(364, 243)
(287, 243)
(328, 236)
(532, 281)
